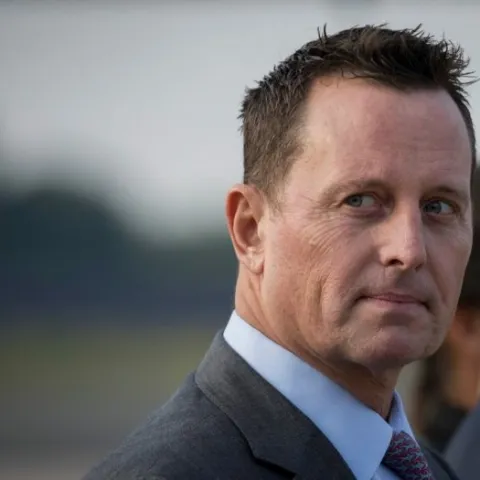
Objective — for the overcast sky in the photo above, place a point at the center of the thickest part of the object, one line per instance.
(146, 96)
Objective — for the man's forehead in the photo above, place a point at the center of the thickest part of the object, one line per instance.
(366, 109)
(353, 131)
(441, 172)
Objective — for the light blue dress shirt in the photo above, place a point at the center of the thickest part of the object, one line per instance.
(360, 435)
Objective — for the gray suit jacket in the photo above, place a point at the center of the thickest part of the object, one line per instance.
(463, 450)
(227, 423)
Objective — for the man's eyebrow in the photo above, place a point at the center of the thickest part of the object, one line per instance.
(355, 185)
(364, 185)
(463, 196)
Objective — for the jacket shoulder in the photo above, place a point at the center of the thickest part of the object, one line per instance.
(186, 438)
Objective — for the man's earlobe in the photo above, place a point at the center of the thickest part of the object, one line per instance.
(244, 213)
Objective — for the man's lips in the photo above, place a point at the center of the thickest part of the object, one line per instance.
(395, 298)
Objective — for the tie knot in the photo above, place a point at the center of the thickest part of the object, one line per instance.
(406, 459)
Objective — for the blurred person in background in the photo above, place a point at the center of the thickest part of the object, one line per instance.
(352, 230)
(449, 382)
(463, 450)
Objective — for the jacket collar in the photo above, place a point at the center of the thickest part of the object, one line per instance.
(276, 432)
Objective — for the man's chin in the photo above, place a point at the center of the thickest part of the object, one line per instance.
(394, 352)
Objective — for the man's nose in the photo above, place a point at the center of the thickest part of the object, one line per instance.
(403, 241)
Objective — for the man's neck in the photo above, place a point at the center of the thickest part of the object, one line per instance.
(373, 389)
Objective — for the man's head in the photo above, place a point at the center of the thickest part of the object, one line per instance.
(353, 225)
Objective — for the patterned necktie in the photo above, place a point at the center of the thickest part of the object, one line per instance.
(405, 458)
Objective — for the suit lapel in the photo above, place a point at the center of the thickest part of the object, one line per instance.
(276, 431)
(440, 469)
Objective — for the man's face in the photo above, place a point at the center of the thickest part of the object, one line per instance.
(365, 260)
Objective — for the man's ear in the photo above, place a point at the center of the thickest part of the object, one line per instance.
(245, 212)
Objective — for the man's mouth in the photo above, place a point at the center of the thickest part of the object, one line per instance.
(395, 301)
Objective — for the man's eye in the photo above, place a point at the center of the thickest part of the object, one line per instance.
(438, 207)
(359, 201)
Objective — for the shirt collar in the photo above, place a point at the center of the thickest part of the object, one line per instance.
(359, 434)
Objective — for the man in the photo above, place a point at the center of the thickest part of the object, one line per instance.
(352, 229)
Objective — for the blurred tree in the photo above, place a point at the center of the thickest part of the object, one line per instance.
(65, 257)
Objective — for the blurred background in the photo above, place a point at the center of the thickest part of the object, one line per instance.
(118, 140)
